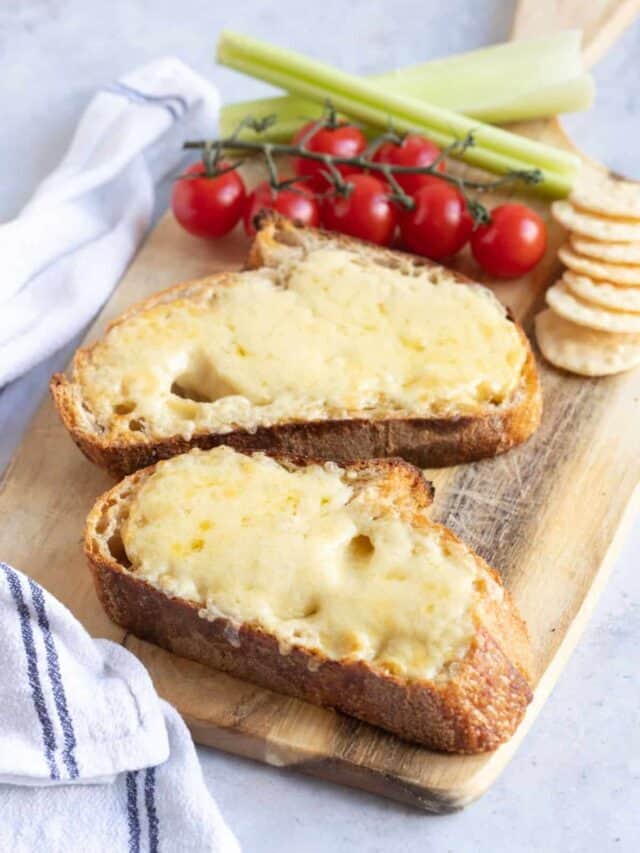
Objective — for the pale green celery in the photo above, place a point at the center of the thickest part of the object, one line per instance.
(532, 78)
(564, 97)
(505, 73)
(552, 100)
(496, 150)
(291, 111)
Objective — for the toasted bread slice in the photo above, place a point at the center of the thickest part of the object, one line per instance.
(327, 347)
(325, 583)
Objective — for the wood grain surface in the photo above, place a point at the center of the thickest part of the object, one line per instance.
(548, 515)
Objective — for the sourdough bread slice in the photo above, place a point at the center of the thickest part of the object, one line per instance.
(326, 347)
(322, 582)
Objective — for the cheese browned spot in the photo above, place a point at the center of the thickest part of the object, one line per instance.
(330, 335)
(306, 555)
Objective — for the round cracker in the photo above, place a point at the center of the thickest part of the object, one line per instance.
(593, 225)
(571, 307)
(613, 253)
(598, 192)
(585, 351)
(624, 275)
(602, 293)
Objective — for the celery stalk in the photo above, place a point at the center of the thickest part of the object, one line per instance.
(496, 150)
(555, 98)
(532, 78)
(291, 111)
(564, 97)
(502, 73)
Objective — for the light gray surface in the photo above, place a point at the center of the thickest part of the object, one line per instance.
(574, 785)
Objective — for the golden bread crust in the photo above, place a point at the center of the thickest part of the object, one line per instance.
(423, 441)
(474, 705)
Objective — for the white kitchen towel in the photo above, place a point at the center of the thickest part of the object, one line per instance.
(90, 758)
(67, 249)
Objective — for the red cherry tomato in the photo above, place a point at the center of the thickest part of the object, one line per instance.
(345, 140)
(512, 243)
(440, 223)
(412, 151)
(366, 213)
(208, 207)
(296, 202)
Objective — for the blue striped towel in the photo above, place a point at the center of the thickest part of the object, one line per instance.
(67, 249)
(90, 758)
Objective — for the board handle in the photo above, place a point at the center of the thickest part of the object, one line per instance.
(601, 21)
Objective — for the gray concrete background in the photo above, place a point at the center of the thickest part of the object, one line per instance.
(574, 785)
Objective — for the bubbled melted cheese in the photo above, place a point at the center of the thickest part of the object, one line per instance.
(330, 335)
(301, 554)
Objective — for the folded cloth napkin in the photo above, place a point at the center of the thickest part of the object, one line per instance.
(90, 758)
(66, 250)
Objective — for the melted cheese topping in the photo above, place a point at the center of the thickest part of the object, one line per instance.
(306, 555)
(329, 335)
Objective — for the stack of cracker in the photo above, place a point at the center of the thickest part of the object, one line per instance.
(592, 325)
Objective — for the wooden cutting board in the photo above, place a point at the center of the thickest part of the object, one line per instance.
(549, 515)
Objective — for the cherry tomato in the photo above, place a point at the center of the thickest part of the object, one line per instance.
(440, 223)
(345, 140)
(412, 151)
(367, 212)
(296, 202)
(512, 243)
(208, 207)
